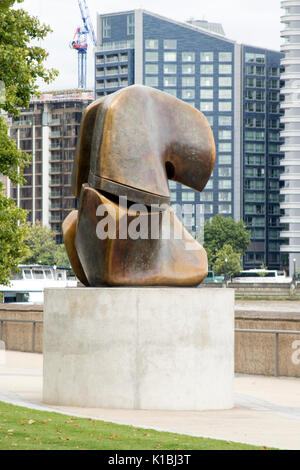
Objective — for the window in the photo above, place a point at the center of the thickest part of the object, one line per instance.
(207, 81)
(274, 108)
(173, 196)
(225, 81)
(151, 44)
(188, 196)
(225, 147)
(254, 147)
(151, 56)
(225, 106)
(225, 135)
(130, 25)
(274, 96)
(274, 148)
(258, 58)
(225, 120)
(255, 160)
(170, 68)
(225, 159)
(252, 107)
(188, 69)
(274, 83)
(210, 120)
(206, 94)
(260, 70)
(225, 69)
(188, 81)
(207, 196)
(151, 69)
(225, 56)
(170, 81)
(170, 56)
(208, 208)
(106, 27)
(274, 123)
(224, 184)
(260, 83)
(260, 95)
(225, 172)
(225, 196)
(260, 107)
(206, 69)
(206, 106)
(274, 137)
(225, 208)
(170, 44)
(206, 56)
(254, 135)
(274, 71)
(225, 94)
(151, 81)
(188, 94)
(188, 57)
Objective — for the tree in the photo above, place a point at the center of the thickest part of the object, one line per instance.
(222, 231)
(227, 261)
(21, 64)
(12, 233)
(42, 248)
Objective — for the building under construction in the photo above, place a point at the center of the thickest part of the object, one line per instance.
(48, 130)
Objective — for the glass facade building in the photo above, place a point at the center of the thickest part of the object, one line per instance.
(235, 86)
(290, 178)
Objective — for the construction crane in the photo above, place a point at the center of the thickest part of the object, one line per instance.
(80, 42)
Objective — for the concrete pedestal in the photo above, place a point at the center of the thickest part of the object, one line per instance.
(139, 348)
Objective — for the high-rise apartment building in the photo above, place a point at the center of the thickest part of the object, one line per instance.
(290, 178)
(235, 86)
(48, 131)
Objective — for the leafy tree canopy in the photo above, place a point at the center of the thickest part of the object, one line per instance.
(227, 261)
(12, 233)
(42, 248)
(21, 64)
(222, 231)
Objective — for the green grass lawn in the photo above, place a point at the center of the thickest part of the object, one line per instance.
(26, 429)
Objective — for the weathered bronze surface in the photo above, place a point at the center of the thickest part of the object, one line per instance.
(131, 142)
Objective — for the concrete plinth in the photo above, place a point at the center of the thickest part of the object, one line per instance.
(139, 348)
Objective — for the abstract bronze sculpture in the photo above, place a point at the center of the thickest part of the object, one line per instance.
(131, 142)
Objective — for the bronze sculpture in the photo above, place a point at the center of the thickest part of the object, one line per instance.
(131, 142)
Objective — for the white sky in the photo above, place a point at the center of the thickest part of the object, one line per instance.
(254, 22)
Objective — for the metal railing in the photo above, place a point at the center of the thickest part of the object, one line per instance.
(276, 338)
(9, 320)
(237, 330)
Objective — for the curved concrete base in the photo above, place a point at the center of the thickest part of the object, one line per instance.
(139, 348)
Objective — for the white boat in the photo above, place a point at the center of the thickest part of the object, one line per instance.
(263, 276)
(29, 283)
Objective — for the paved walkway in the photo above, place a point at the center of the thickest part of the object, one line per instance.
(266, 412)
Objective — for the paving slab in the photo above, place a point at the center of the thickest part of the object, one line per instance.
(266, 411)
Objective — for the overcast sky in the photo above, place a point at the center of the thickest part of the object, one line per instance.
(254, 22)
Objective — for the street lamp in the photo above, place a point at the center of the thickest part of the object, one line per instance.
(294, 275)
(226, 261)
